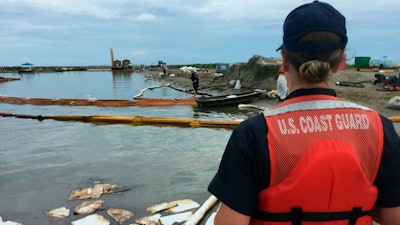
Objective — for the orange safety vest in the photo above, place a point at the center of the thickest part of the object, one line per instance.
(324, 156)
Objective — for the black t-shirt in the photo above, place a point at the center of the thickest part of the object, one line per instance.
(244, 170)
(194, 78)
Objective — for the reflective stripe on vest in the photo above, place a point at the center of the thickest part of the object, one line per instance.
(324, 156)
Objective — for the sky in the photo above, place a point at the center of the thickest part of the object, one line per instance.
(178, 32)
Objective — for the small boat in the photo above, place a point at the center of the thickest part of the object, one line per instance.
(26, 68)
(228, 100)
(4, 79)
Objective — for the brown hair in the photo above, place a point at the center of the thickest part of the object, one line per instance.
(316, 67)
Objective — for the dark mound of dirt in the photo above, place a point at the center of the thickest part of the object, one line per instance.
(258, 73)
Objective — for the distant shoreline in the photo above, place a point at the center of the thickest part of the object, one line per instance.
(15, 69)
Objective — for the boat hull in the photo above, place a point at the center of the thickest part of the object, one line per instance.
(228, 100)
(25, 71)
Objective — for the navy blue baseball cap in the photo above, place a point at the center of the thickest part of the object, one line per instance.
(315, 16)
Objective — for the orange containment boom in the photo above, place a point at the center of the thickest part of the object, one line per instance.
(143, 102)
(395, 118)
(141, 120)
(133, 120)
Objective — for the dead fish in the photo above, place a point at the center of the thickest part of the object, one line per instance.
(94, 219)
(58, 213)
(120, 215)
(88, 207)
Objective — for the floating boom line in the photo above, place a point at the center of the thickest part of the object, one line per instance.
(142, 102)
(132, 120)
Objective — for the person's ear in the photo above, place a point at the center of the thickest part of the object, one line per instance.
(336, 68)
(285, 63)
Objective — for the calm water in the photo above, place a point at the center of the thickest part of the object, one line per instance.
(42, 162)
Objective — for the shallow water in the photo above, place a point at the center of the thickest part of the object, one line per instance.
(100, 85)
(42, 162)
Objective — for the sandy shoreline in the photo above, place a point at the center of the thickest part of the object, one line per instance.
(369, 95)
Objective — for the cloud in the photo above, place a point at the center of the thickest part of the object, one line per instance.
(145, 17)
(236, 10)
(176, 31)
(97, 8)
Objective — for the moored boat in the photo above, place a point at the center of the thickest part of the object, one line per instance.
(4, 79)
(228, 100)
(26, 68)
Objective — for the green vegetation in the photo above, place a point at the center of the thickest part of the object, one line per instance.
(11, 69)
(350, 66)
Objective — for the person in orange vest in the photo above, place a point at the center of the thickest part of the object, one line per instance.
(314, 158)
